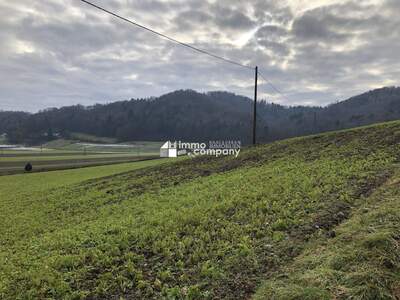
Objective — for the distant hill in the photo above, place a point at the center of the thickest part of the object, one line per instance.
(193, 116)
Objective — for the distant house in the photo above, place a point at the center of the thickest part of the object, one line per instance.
(168, 150)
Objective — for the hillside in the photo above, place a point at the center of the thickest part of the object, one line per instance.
(188, 115)
(214, 228)
(360, 261)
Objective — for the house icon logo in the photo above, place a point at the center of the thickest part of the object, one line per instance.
(169, 149)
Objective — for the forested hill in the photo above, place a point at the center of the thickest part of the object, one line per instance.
(193, 116)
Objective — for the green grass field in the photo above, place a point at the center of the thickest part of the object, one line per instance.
(137, 147)
(305, 218)
(46, 156)
(65, 162)
(62, 154)
(91, 138)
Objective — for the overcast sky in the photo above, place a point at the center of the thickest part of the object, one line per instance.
(62, 52)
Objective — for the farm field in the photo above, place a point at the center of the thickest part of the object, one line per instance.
(56, 156)
(14, 187)
(45, 163)
(306, 218)
(67, 154)
(137, 147)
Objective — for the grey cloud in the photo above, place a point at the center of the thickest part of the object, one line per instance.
(393, 5)
(341, 22)
(279, 49)
(231, 18)
(272, 38)
(272, 11)
(215, 16)
(313, 27)
(80, 55)
(188, 20)
(272, 32)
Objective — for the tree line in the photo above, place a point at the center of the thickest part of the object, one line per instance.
(192, 116)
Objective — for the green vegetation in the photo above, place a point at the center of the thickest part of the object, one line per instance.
(189, 115)
(3, 139)
(13, 187)
(361, 261)
(65, 154)
(63, 163)
(211, 228)
(137, 147)
(91, 138)
(62, 156)
(60, 144)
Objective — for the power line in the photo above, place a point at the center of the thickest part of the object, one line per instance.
(273, 87)
(202, 52)
(169, 38)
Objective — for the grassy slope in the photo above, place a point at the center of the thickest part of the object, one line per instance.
(213, 228)
(360, 261)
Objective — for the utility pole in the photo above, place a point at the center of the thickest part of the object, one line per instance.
(255, 106)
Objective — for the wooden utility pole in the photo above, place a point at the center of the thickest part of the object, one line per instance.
(255, 107)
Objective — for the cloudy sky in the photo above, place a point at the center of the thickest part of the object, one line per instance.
(63, 52)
